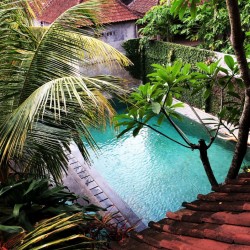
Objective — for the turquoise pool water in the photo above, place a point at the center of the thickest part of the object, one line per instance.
(154, 175)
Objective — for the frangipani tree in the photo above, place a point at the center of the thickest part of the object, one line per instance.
(155, 98)
(237, 38)
(45, 100)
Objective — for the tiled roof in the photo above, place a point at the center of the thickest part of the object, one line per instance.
(219, 220)
(113, 11)
(54, 8)
(116, 11)
(142, 6)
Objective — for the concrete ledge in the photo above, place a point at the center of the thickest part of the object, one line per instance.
(223, 132)
(121, 205)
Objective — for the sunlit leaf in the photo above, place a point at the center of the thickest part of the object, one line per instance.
(156, 107)
(229, 61)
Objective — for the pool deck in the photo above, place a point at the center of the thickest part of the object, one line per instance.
(208, 118)
(84, 179)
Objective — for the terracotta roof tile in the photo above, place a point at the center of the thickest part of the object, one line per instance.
(113, 11)
(219, 220)
(142, 6)
(54, 8)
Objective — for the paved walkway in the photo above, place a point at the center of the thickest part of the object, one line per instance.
(208, 119)
(85, 180)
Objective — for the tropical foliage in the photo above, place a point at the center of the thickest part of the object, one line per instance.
(233, 78)
(46, 100)
(208, 23)
(59, 232)
(36, 215)
(237, 39)
(158, 22)
(26, 201)
(156, 99)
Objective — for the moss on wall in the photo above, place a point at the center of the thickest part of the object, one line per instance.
(161, 53)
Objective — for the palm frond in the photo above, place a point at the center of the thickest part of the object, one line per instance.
(59, 231)
(64, 49)
(70, 101)
(46, 99)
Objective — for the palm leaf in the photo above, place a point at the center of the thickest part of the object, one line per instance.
(51, 96)
(46, 99)
(47, 233)
(64, 48)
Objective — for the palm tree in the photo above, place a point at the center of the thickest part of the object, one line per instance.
(45, 99)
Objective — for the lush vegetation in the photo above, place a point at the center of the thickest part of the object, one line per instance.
(46, 98)
(156, 97)
(36, 215)
(209, 24)
(165, 53)
(46, 102)
(162, 53)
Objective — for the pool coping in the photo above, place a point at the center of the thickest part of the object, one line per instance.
(223, 133)
(130, 217)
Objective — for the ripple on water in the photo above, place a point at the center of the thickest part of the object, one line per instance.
(154, 175)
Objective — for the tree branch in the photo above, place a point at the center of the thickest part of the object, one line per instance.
(159, 132)
(178, 130)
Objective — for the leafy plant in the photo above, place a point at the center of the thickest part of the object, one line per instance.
(155, 99)
(46, 97)
(207, 24)
(162, 53)
(36, 215)
(157, 22)
(59, 232)
(77, 231)
(27, 201)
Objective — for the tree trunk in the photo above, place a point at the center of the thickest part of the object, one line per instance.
(237, 40)
(241, 145)
(205, 161)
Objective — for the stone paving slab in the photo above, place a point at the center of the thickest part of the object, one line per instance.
(85, 180)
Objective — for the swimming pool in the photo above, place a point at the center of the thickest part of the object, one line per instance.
(154, 175)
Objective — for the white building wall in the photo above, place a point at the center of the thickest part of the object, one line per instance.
(116, 34)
